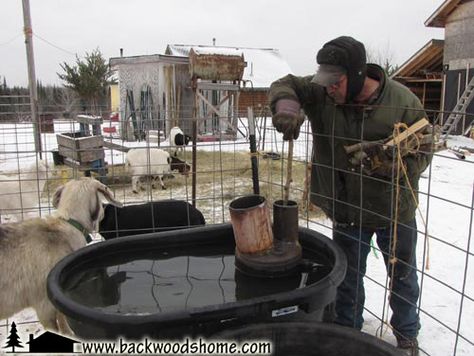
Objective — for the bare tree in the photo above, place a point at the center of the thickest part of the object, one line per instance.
(69, 101)
(384, 57)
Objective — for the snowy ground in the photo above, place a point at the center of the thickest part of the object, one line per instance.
(447, 300)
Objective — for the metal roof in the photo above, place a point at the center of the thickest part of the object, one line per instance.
(264, 65)
(149, 58)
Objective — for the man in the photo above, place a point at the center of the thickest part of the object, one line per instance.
(350, 101)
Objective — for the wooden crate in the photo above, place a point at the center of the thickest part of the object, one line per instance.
(82, 149)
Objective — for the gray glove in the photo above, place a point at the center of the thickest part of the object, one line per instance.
(287, 118)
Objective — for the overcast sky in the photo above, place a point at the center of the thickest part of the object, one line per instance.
(298, 28)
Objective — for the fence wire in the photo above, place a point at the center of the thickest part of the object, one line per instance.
(223, 172)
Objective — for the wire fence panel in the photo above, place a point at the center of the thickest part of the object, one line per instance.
(221, 171)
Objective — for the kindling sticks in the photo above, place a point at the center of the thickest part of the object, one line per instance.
(413, 129)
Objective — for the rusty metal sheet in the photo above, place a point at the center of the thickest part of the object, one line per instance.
(216, 66)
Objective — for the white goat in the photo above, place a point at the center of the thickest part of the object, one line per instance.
(20, 194)
(149, 162)
(178, 139)
(30, 249)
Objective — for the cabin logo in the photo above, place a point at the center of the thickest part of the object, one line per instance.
(47, 342)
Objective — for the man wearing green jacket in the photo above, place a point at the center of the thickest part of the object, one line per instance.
(349, 101)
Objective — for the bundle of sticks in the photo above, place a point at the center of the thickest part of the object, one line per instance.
(421, 136)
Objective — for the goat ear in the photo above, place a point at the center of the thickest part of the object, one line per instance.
(57, 196)
(108, 195)
(96, 212)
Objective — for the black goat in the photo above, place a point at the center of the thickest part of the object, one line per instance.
(155, 216)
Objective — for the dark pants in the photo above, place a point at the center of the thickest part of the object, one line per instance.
(405, 290)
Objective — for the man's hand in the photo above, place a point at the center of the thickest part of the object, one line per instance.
(287, 118)
(377, 162)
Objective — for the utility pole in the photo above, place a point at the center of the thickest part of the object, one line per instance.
(30, 58)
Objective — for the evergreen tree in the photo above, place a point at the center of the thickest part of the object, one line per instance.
(89, 78)
(13, 339)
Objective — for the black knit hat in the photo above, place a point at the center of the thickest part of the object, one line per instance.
(350, 54)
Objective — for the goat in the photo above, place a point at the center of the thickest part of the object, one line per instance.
(178, 139)
(178, 165)
(19, 195)
(153, 162)
(31, 248)
(154, 216)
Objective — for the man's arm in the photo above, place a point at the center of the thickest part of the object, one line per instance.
(286, 97)
(296, 88)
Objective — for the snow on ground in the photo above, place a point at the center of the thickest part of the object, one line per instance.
(446, 204)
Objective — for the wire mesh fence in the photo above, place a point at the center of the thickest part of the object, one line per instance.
(221, 170)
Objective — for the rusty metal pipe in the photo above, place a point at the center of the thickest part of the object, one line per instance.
(251, 224)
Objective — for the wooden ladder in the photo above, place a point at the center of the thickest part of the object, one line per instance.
(459, 110)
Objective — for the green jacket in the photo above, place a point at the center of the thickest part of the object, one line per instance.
(344, 194)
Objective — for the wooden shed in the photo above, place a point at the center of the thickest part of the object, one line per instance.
(441, 73)
(156, 93)
(423, 74)
(457, 19)
(156, 89)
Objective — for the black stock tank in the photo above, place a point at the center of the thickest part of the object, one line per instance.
(184, 283)
(310, 339)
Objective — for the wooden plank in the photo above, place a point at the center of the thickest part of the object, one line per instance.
(81, 166)
(116, 147)
(80, 142)
(66, 141)
(203, 98)
(89, 142)
(217, 86)
(82, 156)
(417, 126)
(89, 120)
